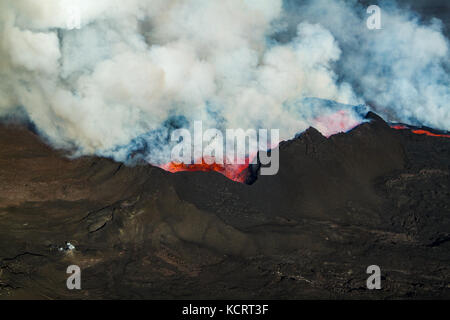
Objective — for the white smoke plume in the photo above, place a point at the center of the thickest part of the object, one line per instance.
(403, 69)
(138, 68)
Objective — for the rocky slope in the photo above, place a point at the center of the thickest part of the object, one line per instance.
(374, 195)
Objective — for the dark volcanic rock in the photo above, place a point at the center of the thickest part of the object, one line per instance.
(371, 196)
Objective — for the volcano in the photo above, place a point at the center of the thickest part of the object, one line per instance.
(373, 195)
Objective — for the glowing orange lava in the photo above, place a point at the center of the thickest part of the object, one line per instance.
(235, 172)
(419, 131)
(431, 134)
(399, 127)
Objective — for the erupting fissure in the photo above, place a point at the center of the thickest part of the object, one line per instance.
(235, 172)
(419, 131)
(240, 172)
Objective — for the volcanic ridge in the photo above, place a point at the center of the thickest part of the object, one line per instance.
(373, 195)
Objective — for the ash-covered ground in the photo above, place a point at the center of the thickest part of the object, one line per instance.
(373, 196)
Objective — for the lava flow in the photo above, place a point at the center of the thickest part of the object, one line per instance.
(235, 172)
(419, 131)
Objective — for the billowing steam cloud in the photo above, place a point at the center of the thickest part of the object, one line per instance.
(402, 69)
(139, 68)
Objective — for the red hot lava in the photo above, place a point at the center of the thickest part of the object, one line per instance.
(419, 131)
(235, 172)
(431, 134)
